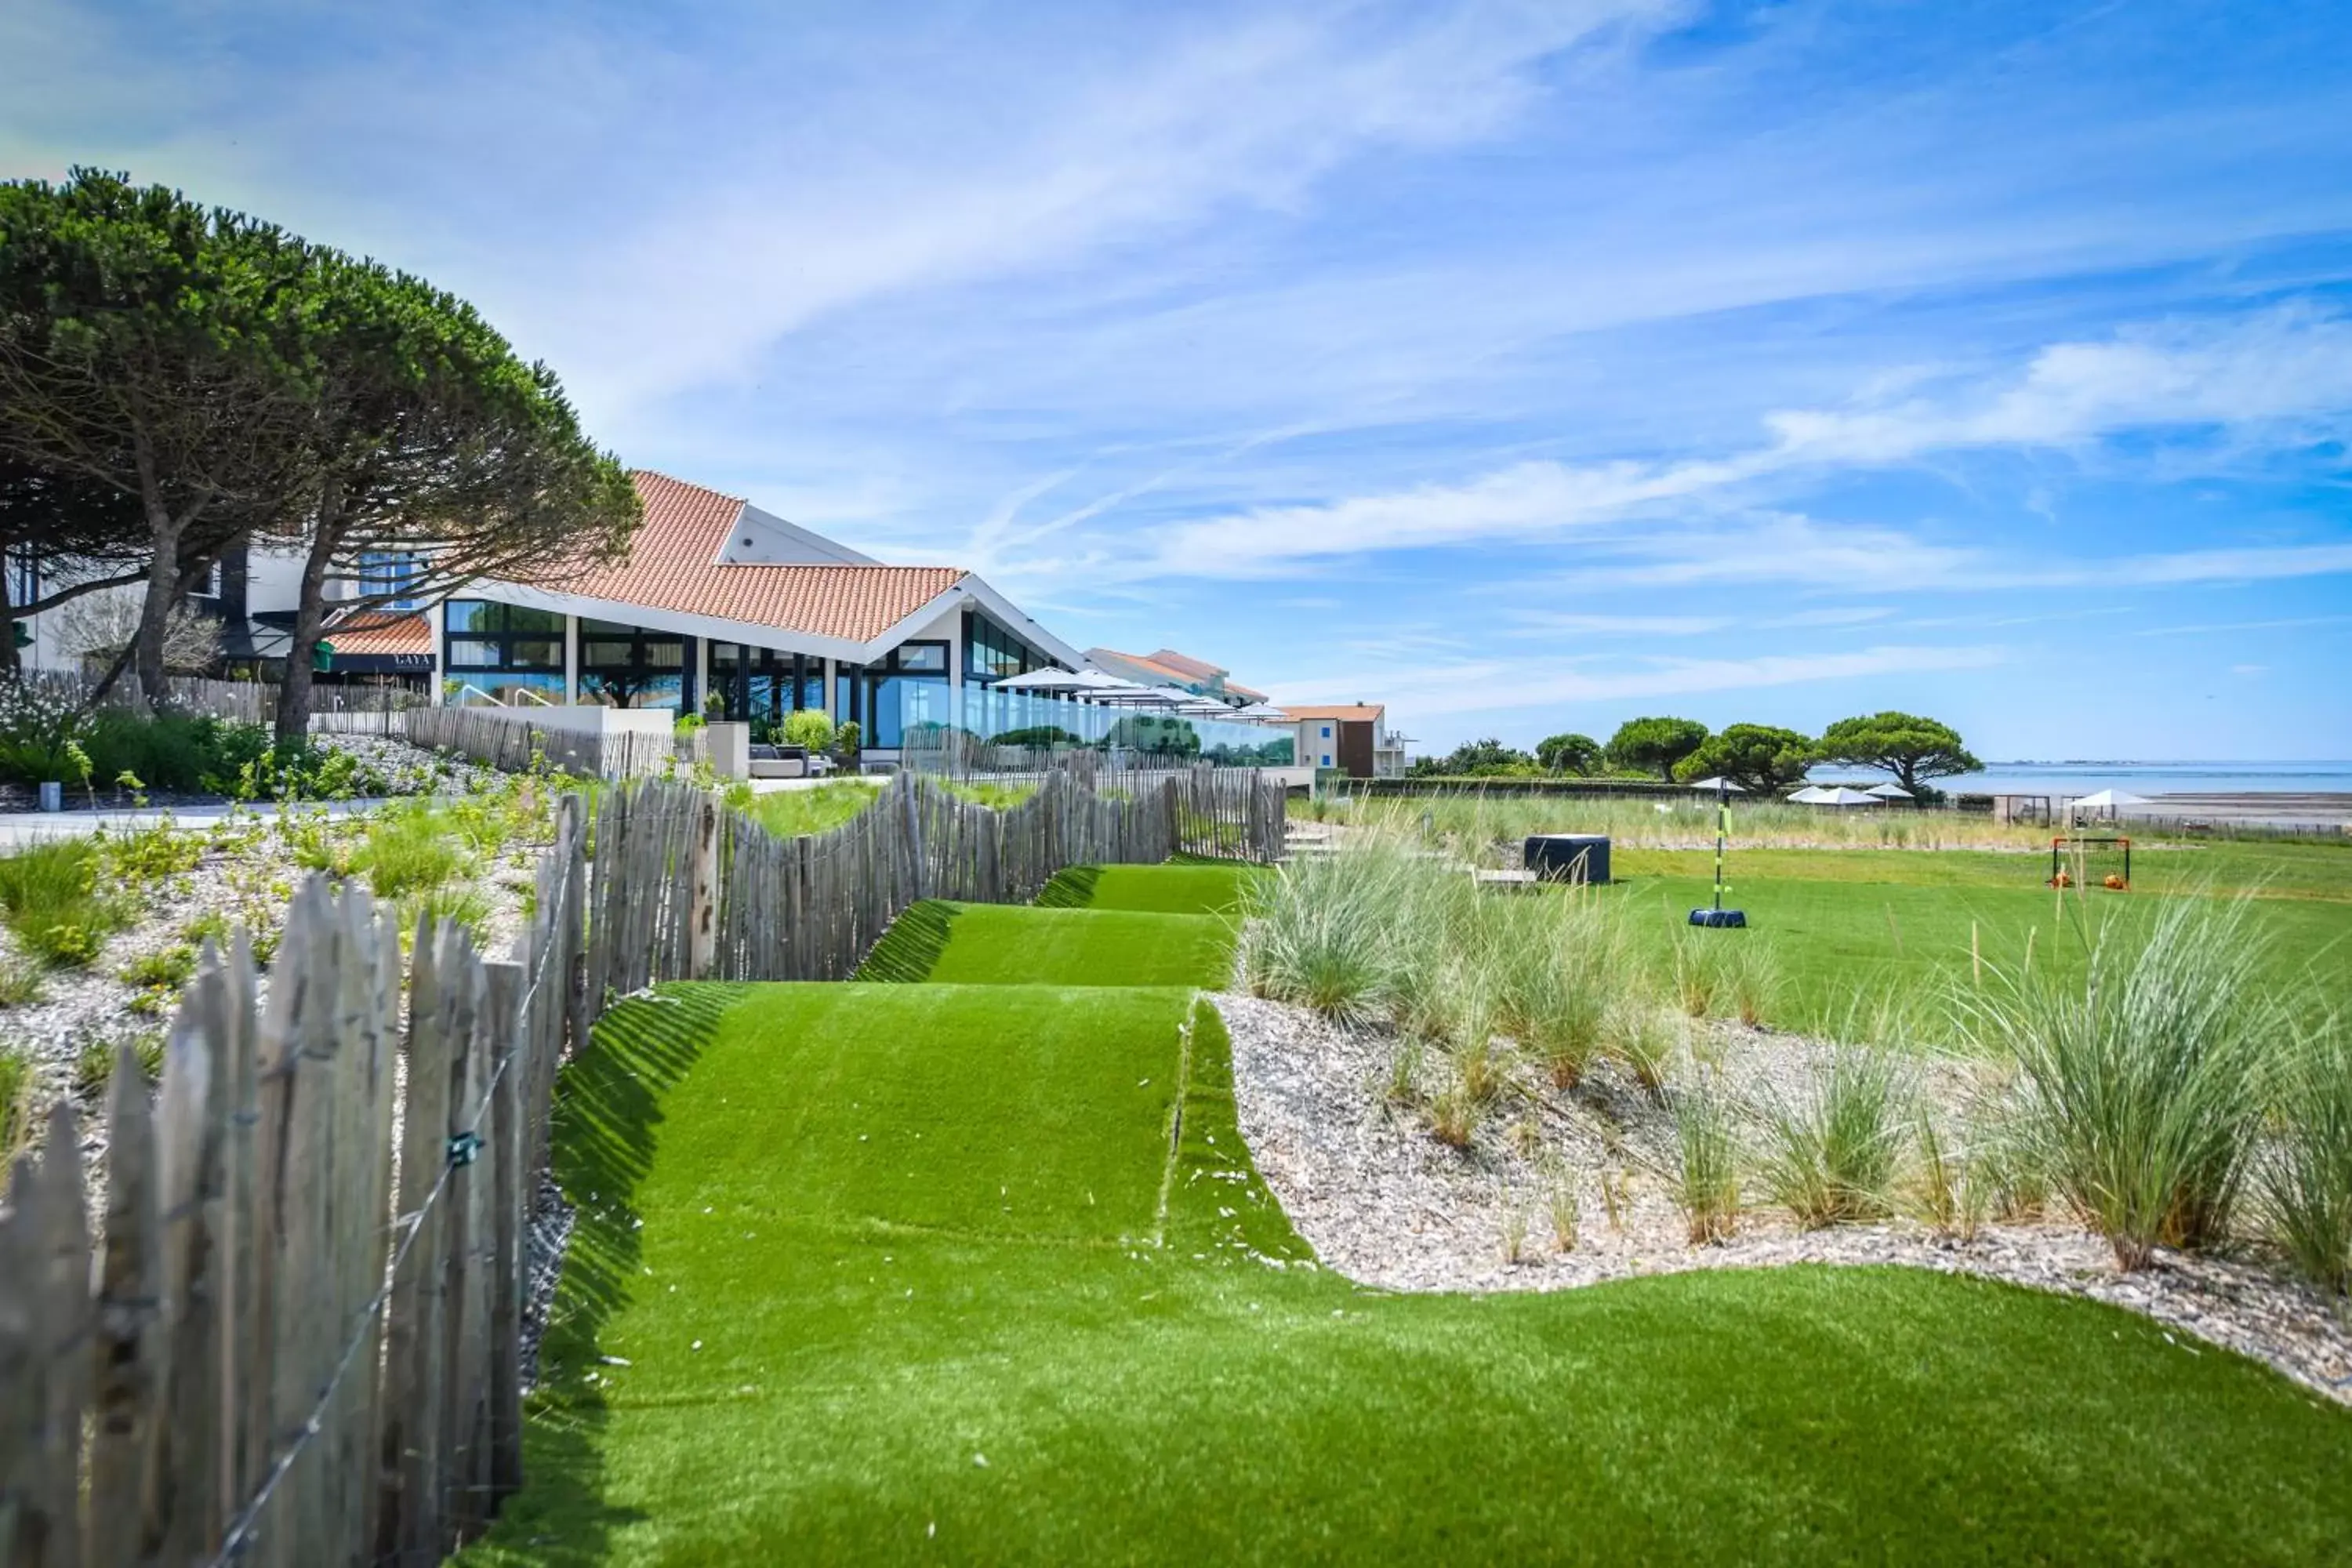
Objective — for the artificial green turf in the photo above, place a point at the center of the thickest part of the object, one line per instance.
(1847, 928)
(872, 1273)
(991, 944)
(1211, 888)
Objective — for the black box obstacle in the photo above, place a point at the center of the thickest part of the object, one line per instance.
(1567, 856)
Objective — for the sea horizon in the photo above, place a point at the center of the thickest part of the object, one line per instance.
(2086, 776)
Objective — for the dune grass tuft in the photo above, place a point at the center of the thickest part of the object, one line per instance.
(2139, 1095)
(1834, 1146)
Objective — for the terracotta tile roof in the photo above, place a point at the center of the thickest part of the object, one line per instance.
(1184, 664)
(1350, 712)
(674, 565)
(377, 631)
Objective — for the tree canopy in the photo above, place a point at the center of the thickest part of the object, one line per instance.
(1569, 753)
(1910, 749)
(1473, 759)
(161, 350)
(435, 446)
(1655, 746)
(188, 378)
(1761, 759)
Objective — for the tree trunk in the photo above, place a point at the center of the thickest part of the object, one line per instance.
(309, 615)
(155, 613)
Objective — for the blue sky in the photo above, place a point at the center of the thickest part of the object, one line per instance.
(1527, 367)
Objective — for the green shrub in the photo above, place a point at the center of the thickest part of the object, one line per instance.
(41, 737)
(172, 751)
(468, 906)
(166, 970)
(1326, 931)
(2137, 1095)
(1834, 1149)
(1554, 959)
(51, 898)
(809, 727)
(410, 849)
(996, 796)
(145, 855)
(796, 812)
(2305, 1173)
(1705, 1174)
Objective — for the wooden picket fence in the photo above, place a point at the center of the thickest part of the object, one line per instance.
(297, 1338)
(238, 701)
(517, 745)
(298, 1342)
(686, 889)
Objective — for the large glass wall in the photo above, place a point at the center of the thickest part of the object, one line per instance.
(991, 653)
(627, 667)
(762, 684)
(893, 692)
(500, 651)
(1019, 720)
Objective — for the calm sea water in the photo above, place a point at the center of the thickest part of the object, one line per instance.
(2135, 778)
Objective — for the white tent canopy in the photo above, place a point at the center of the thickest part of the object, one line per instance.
(1889, 791)
(1834, 794)
(1042, 680)
(1260, 710)
(2109, 799)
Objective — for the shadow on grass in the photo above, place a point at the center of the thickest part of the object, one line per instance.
(912, 948)
(607, 1124)
(1072, 888)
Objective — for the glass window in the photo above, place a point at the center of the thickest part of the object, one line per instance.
(924, 656)
(536, 653)
(485, 616)
(389, 575)
(625, 666)
(466, 651)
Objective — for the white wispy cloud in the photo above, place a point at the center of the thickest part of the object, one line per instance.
(1491, 685)
(2286, 366)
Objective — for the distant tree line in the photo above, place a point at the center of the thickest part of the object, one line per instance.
(1761, 759)
(176, 380)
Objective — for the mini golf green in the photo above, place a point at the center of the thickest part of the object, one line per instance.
(875, 1272)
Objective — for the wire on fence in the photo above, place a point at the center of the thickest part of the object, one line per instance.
(240, 1533)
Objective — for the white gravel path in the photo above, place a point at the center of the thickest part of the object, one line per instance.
(1384, 1202)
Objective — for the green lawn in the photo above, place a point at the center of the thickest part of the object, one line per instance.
(1844, 928)
(885, 1272)
(1206, 887)
(993, 944)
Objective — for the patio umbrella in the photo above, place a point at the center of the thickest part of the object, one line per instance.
(1266, 710)
(1889, 791)
(1720, 784)
(1042, 681)
(2109, 799)
(1841, 795)
(1811, 794)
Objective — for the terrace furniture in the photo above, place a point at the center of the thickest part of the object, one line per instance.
(1567, 856)
(780, 761)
